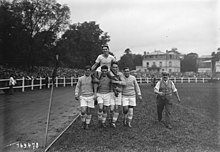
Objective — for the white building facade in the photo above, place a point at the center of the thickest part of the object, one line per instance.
(158, 61)
(205, 64)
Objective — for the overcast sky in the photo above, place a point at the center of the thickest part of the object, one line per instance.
(148, 25)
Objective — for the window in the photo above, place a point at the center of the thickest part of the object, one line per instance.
(171, 56)
(160, 64)
(170, 63)
(147, 64)
(154, 63)
(170, 70)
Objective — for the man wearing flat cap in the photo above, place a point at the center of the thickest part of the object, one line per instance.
(164, 90)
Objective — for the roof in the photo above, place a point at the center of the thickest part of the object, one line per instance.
(156, 52)
(205, 56)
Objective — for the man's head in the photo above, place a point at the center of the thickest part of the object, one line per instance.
(126, 71)
(105, 50)
(87, 70)
(114, 67)
(104, 70)
(165, 75)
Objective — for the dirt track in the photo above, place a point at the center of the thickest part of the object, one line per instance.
(23, 116)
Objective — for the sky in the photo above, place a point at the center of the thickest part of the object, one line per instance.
(148, 25)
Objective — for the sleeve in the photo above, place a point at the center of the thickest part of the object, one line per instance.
(78, 85)
(137, 88)
(98, 60)
(113, 59)
(173, 87)
(157, 87)
(122, 78)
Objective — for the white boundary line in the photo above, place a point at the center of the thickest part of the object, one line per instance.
(48, 147)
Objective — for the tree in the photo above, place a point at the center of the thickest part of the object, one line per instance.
(137, 60)
(126, 60)
(81, 44)
(127, 51)
(189, 63)
(36, 21)
(130, 60)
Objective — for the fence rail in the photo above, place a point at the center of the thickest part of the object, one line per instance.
(40, 83)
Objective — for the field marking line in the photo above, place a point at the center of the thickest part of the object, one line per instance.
(12, 144)
(48, 147)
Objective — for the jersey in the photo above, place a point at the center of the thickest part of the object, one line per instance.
(85, 86)
(131, 87)
(105, 61)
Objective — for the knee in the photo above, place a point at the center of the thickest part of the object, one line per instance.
(100, 109)
(83, 112)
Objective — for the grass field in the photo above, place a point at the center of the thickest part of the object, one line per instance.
(195, 126)
(196, 122)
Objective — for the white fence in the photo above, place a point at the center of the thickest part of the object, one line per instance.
(40, 83)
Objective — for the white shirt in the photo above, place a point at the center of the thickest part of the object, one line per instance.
(104, 61)
(12, 81)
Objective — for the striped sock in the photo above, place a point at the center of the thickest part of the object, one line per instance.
(130, 114)
(100, 115)
(104, 116)
(88, 119)
(83, 117)
(115, 117)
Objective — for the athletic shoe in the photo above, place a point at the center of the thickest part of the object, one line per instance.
(125, 122)
(103, 125)
(169, 126)
(129, 124)
(100, 123)
(83, 125)
(86, 126)
(113, 125)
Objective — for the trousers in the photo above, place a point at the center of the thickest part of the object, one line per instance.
(163, 102)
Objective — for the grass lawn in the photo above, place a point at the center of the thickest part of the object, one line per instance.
(196, 126)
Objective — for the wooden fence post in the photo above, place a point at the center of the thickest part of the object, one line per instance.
(23, 83)
(56, 82)
(71, 81)
(32, 84)
(40, 83)
(64, 81)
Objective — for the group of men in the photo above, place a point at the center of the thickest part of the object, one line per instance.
(112, 89)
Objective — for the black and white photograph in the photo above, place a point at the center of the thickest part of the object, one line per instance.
(109, 76)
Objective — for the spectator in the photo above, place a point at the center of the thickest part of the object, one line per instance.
(12, 82)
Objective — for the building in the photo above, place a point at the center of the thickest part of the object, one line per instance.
(159, 61)
(217, 66)
(205, 64)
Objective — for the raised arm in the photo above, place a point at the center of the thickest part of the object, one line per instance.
(94, 66)
(77, 89)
